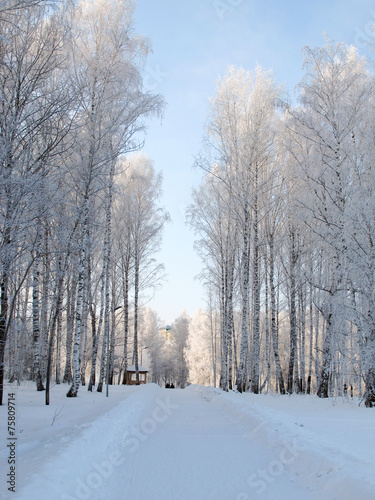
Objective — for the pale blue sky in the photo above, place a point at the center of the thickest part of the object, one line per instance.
(194, 41)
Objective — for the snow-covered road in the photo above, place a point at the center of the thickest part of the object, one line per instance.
(199, 452)
(192, 444)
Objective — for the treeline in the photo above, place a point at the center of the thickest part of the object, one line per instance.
(285, 217)
(164, 349)
(80, 219)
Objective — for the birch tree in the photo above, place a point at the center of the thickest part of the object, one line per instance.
(241, 145)
(33, 123)
(143, 189)
(106, 72)
(334, 96)
(201, 348)
(209, 215)
(180, 332)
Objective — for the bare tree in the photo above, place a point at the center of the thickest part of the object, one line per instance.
(33, 125)
(107, 75)
(142, 189)
(335, 91)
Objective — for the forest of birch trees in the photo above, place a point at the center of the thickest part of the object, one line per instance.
(285, 225)
(80, 213)
(284, 216)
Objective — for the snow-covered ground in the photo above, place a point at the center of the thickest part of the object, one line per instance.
(147, 443)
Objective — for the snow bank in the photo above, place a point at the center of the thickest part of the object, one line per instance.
(330, 444)
(78, 467)
(153, 444)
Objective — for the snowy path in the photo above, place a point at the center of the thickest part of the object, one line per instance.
(200, 452)
(192, 444)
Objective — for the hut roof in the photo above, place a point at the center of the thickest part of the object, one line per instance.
(140, 368)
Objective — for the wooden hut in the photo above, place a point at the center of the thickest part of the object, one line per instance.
(131, 377)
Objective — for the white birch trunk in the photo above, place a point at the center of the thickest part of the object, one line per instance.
(274, 322)
(125, 296)
(113, 332)
(36, 326)
(267, 378)
(302, 357)
(256, 298)
(58, 347)
(83, 353)
(292, 312)
(45, 261)
(136, 297)
(71, 303)
(311, 343)
(73, 391)
(242, 375)
(96, 333)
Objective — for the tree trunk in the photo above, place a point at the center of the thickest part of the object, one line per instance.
(3, 327)
(46, 268)
(71, 299)
(23, 332)
(136, 295)
(323, 389)
(317, 348)
(12, 350)
(242, 374)
(102, 356)
(274, 326)
(55, 320)
(107, 267)
(113, 332)
(302, 359)
(36, 327)
(106, 317)
(370, 372)
(73, 391)
(4, 306)
(223, 330)
(213, 331)
(84, 339)
(311, 316)
(256, 296)
(125, 296)
(267, 331)
(95, 333)
(230, 339)
(58, 346)
(292, 313)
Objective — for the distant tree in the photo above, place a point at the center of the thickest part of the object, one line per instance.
(180, 335)
(200, 352)
(240, 152)
(155, 344)
(210, 216)
(142, 188)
